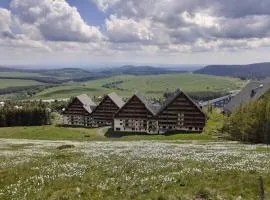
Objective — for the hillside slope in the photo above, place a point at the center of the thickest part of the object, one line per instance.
(152, 86)
(252, 71)
(63, 75)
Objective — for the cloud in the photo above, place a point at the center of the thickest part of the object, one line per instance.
(191, 24)
(5, 23)
(54, 20)
(127, 30)
(11, 40)
(135, 28)
(105, 4)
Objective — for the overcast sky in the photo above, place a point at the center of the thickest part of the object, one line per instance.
(88, 32)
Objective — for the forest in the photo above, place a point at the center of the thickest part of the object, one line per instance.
(26, 114)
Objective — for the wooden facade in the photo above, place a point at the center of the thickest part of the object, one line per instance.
(136, 115)
(78, 113)
(104, 113)
(179, 112)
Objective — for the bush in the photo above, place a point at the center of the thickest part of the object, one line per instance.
(215, 122)
(250, 123)
(66, 146)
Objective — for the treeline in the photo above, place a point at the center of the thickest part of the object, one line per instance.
(18, 89)
(40, 79)
(28, 90)
(250, 123)
(114, 85)
(28, 114)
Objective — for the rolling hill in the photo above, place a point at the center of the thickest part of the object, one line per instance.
(64, 75)
(251, 71)
(67, 82)
(201, 86)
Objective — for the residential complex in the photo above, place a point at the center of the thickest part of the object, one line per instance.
(178, 113)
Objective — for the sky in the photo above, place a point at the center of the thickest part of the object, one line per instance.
(111, 32)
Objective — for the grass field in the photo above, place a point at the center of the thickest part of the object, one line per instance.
(154, 85)
(62, 133)
(34, 169)
(4, 83)
(19, 74)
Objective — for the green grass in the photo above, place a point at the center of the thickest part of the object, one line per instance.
(49, 133)
(5, 83)
(63, 133)
(19, 74)
(215, 122)
(263, 149)
(131, 170)
(154, 85)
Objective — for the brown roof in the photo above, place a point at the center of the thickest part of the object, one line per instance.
(148, 105)
(116, 99)
(88, 104)
(173, 97)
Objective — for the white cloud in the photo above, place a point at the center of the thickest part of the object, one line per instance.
(199, 24)
(200, 19)
(10, 40)
(128, 30)
(5, 23)
(55, 20)
(105, 4)
(145, 29)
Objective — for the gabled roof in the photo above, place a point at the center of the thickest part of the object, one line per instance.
(153, 109)
(116, 99)
(173, 96)
(252, 92)
(88, 104)
(148, 104)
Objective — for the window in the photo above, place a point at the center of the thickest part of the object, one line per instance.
(118, 129)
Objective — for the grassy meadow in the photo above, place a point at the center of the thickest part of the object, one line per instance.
(71, 170)
(5, 83)
(60, 163)
(51, 162)
(97, 134)
(19, 74)
(152, 85)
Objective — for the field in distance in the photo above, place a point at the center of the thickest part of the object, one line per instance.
(150, 85)
(5, 83)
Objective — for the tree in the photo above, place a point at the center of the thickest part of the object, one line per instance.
(250, 123)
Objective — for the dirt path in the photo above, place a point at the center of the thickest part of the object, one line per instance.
(101, 131)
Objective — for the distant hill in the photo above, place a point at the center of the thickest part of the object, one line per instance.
(58, 76)
(139, 70)
(252, 71)
(53, 76)
(52, 83)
